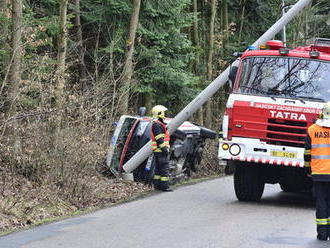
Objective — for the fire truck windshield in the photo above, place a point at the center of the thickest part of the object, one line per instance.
(285, 77)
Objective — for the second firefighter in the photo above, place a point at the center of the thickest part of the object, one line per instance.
(317, 162)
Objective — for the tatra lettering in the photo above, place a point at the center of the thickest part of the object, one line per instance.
(287, 115)
(294, 116)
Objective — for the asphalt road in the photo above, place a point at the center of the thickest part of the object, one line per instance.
(201, 215)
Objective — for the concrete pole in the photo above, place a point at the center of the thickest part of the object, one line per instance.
(284, 28)
(210, 90)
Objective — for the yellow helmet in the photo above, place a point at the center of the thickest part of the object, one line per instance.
(326, 111)
(158, 111)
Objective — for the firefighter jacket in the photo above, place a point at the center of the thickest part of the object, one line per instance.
(160, 137)
(317, 152)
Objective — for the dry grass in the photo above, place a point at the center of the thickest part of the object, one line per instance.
(48, 171)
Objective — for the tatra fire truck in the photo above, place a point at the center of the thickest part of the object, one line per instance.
(276, 95)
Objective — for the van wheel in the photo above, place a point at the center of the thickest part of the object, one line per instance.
(248, 182)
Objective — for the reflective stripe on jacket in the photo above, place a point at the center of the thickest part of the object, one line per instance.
(320, 149)
(160, 140)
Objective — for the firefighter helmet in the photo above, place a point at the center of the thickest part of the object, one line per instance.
(326, 111)
(158, 111)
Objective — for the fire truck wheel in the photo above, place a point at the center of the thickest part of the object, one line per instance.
(248, 183)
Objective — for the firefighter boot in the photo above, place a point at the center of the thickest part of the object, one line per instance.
(164, 185)
(322, 232)
(156, 183)
(167, 189)
(322, 237)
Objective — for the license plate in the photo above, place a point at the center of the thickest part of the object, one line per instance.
(283, 154)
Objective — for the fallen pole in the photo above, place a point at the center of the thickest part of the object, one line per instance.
(210, 90)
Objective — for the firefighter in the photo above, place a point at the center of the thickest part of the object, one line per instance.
(317, 163)
(160, 145)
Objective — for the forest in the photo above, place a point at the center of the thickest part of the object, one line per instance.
(70, 68)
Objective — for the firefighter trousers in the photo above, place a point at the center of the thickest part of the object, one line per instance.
(161, 177)
(322, 195)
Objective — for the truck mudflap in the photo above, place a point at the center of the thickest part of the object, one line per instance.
(253, 150)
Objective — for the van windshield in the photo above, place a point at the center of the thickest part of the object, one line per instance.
(285, 77)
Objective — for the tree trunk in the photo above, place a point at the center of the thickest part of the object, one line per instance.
(80, 47)
(195, 34)
(242, 21)
(222, 28)
(5, 45)
(208, 119)
(61, 56)
(14, 77)
(226, 19)
(211, 41)
(5, 12)
(128, 66)
(199, 115)
(148, 102)
(224, 25)
(96, 55)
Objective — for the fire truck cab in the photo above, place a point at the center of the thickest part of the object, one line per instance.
(277, 94)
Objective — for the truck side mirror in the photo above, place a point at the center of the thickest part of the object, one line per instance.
(232, 75)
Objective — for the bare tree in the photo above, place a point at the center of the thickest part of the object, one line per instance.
(4, 42)
(14, 74)
(14, 77)
(80, 46)
(128, 66)
(61, 56)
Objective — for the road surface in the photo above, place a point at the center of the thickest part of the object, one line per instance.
(201, 215)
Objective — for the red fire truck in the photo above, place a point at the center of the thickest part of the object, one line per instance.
(277, 94)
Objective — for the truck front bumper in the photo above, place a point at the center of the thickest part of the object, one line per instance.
(253, 150)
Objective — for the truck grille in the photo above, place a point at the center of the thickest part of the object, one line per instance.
(286, 132)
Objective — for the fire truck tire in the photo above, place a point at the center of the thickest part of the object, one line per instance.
(248, 183)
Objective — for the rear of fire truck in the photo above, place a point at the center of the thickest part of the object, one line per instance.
(277, 94)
